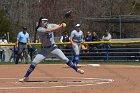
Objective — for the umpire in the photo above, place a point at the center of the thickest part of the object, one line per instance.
(22, 41)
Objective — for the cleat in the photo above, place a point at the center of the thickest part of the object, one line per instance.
(24, 79)
(78, 66)
(80, 71)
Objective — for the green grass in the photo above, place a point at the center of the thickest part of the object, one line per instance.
(4, 63)
(105, 62)
(52, 62)
(113, 63)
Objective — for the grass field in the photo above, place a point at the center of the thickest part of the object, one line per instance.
(109, 62)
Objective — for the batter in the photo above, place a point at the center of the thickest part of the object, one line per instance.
(45, 32)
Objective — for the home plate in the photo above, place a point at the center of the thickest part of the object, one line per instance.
(93, 65)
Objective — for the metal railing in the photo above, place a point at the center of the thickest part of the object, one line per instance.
(114, 53)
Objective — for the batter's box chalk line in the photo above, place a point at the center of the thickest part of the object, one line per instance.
(53, 82)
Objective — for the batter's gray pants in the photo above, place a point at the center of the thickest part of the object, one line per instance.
(45, 52)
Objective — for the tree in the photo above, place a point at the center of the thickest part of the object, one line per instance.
(5, 25)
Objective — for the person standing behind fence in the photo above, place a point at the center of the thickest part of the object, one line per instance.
(106, 37)
(76, 38)
(13, 56)
(22, 41)
(65, 38)
(88, 38)
(4, 49)
(95, 38)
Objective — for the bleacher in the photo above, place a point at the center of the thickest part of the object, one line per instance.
(129, 52)
(116, 52)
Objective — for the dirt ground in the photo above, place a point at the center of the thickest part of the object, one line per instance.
(48, 78)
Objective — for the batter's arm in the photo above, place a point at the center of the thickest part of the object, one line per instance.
(55, 28)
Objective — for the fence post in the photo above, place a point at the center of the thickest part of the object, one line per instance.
(106, 46)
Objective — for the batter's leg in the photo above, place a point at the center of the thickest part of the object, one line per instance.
(36, 60)
(61, 55)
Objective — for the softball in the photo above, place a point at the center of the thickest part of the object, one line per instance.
(64, 24)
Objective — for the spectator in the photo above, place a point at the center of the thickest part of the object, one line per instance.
(4, 36)
(88, 38)
(3, 50)
(95, 38)
(106, 37)
(14, 54)
(65, 38)
(22, 41)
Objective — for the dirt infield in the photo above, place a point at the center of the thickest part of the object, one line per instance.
(49, 78)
